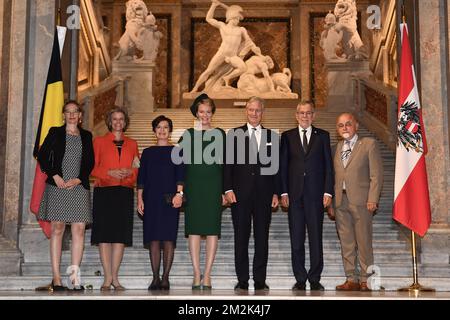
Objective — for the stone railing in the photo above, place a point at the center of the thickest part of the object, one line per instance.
(376, 106)
(97, 100)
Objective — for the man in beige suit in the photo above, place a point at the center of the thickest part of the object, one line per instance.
(358, 180)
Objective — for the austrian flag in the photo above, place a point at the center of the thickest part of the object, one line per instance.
(411, 197)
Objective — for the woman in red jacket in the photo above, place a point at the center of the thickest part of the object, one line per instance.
(116, 167)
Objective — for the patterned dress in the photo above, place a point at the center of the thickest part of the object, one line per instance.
(65, 205)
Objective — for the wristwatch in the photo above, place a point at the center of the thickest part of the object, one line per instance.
(180, 193)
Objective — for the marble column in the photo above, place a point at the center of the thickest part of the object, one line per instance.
(434, 93)
(33, 243)
(14, 125)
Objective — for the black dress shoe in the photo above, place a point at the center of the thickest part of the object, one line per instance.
(241, 285)
(316, 286)
(261, 286)
(299, 286)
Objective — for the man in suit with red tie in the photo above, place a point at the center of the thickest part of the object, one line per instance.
(306, 189)
(251, 187)
(358, 181)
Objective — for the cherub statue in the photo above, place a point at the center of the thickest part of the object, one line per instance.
(149, 38)
(136, 13)
(331, 38)
(347, 15)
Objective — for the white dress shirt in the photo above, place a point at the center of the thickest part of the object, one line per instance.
(308, 133)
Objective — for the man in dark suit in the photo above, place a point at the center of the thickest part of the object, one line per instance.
(250, 184)
(306, 189)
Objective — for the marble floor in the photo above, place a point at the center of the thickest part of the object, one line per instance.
(216, 295)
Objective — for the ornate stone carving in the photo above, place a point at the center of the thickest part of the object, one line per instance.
(341, 33)
(230, 63)
(330, 38)
(140, 33)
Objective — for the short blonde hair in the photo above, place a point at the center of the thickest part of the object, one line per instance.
(108, 117)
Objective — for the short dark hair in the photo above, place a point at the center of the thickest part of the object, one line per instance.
(159, 119)
(79, 107)
(108, 117)
(202, 99)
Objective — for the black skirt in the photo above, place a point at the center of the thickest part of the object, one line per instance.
(112, 213)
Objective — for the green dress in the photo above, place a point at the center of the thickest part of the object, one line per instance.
(203, 180)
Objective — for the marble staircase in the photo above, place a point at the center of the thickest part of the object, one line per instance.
(391, 248)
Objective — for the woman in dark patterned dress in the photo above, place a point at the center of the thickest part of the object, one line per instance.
(67, 157)
(115, 170)
(160, 194)
(203, 187)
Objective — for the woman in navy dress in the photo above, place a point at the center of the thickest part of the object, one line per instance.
(160, 195)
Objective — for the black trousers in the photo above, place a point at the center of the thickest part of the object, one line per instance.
(243, 212)
(306, 214)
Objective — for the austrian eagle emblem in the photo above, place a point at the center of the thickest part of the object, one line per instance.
(409, 128)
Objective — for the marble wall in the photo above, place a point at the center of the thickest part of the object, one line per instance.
(317, 69)
(272, 35)
(102, 103)
(5, 7)
(434, 68)
(376, 104)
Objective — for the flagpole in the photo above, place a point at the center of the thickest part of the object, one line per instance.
(58, 14)
(416, 287)
(74, 46)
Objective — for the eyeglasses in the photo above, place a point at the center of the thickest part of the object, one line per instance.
(347, 124)
(71, 112)
(307, 113)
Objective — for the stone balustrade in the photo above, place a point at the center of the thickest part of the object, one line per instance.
(99, 99)
(376, 106)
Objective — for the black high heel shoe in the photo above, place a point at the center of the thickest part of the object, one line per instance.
(155, 285)
(165, 284)
(55, 287)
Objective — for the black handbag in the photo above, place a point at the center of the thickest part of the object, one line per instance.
(169, 196)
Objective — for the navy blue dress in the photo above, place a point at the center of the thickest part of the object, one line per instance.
(159, 176)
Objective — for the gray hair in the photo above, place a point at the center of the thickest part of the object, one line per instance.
(305, 102)
(261, 101)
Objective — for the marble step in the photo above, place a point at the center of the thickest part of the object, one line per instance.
(381, 255)
(184, 282)
(283, 269)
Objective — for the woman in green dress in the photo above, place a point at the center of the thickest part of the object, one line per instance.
(203, 150)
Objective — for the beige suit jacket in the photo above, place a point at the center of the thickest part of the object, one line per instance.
(363, 174)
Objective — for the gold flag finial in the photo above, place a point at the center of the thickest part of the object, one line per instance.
(58, 14)
(403, 13)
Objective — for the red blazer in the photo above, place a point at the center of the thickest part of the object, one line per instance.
(107, 157)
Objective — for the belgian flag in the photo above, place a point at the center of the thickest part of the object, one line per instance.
(51, 116)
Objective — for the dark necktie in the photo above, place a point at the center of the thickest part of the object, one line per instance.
(305, 141)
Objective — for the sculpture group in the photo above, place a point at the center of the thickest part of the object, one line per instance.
(140, 33)
(341, 34)
(231, 62)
